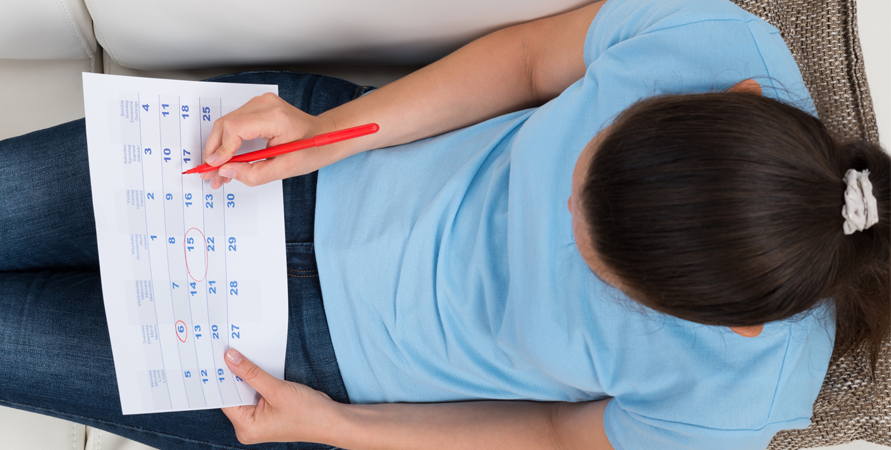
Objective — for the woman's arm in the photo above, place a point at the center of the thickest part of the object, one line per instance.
(515, 68)
(511, 69)
(514, 425)
(294, 412)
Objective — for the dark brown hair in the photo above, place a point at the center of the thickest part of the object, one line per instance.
(725, 209)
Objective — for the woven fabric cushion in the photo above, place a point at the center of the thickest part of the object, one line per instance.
(822, 36)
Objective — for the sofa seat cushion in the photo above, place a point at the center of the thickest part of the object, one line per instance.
(43, 93)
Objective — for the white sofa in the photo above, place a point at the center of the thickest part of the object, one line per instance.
(46, 44)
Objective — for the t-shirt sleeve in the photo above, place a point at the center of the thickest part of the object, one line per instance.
(637, 49)
(628, 431)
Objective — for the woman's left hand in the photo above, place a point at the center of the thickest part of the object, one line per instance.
(287, 412)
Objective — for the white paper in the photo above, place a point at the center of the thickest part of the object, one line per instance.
(187, 271)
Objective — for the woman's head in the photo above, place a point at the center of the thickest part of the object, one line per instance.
(725, 209)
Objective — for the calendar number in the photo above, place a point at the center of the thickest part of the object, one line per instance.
(171, 240)
(215, 331)
(188, 197)
(232, 244)
(169, 196)
(150, 195)
(181, 332)
(220, 375)
(208, 201)
(233, 288)
(148, 151)
(235, 333)
(210, 245)
(166, 155)
(165, 106)
(203, 376)
(231, 200)
(197, 330)
(145, 107)
(211, 289)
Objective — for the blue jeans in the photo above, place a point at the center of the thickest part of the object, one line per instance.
(55, 354)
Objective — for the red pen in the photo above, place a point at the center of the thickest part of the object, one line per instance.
(316, 141)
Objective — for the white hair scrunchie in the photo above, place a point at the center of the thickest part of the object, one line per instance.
(860, 210)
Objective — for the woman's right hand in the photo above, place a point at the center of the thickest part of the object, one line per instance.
(271, 118)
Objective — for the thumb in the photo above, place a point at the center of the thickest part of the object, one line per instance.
(257, 378)
(250, 174)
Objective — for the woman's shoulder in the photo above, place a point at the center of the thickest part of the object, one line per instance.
(619, 20)
(659, 14)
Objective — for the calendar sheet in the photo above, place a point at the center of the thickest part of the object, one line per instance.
(187, 271)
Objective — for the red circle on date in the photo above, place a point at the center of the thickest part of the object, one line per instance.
(185, 331)
(186, 256)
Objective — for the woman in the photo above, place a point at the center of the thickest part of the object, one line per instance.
(451, 269)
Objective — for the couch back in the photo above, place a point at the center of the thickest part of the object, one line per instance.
(177, 34)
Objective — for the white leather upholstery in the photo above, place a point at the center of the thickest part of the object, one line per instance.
(873, 17)
(102, 440)
(43, 93)
(46, 29)
(172, 34)
(21, 430)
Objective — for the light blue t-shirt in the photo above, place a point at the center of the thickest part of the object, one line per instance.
(449, 271)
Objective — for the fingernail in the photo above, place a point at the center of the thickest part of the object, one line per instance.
(233, 356)
(210, 159)
(227, 172)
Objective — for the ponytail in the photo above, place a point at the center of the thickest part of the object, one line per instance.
(863, 289)
(726, 209)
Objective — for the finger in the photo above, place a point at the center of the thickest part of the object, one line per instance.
(257, 378)
(229, 142)
(236, 130)
(216, 182)
(252, 174)
(214, 139)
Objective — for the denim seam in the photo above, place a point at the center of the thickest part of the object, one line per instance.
(303, 276)
(129, 427)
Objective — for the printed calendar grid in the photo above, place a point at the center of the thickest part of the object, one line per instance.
(151, 234)
(154, 303)
(190, 323)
